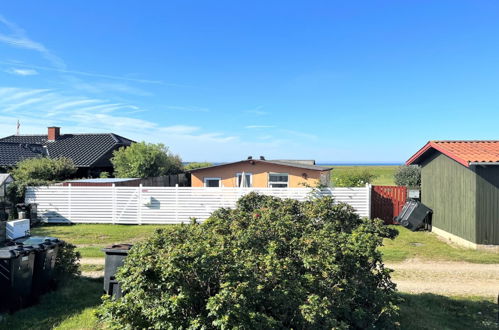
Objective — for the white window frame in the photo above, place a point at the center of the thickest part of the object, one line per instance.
(246, 173)
(270, 183)
(219, 182)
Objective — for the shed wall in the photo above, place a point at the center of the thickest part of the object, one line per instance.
(449, 189)
(487, 200)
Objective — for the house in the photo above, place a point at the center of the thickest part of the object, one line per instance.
(460, 183)
(262, 173)
(91, 153)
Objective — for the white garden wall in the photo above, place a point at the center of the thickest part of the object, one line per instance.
(161, 205)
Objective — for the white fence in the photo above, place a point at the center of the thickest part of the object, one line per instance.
(161, 205)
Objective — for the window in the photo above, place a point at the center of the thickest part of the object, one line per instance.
(278, 180)
(212, 182)
(249, 179)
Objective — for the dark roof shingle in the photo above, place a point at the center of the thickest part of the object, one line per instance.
(83, 149)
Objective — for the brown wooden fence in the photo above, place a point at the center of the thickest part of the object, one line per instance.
(387, 202)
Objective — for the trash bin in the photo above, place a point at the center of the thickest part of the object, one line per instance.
(414, 215)
(115, 257)
(16, 274)
(45, 249)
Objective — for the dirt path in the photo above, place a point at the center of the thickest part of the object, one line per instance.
(446, 278)
(420, 276)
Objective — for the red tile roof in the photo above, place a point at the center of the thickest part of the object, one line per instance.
(464, 152)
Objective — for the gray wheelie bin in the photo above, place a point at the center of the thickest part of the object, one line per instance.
(115, 257)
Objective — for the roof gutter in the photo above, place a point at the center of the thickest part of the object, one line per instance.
(484, 163)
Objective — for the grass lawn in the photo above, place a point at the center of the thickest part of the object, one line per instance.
(384, 173)
(74, 304)
(427, 246)
(91, 238)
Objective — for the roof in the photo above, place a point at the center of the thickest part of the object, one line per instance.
(288, 163)
(5, 178)
(84, 149)
(464, 152)
(12, 153)
(103, 180)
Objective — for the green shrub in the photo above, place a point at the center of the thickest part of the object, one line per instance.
(67, 263)
(354, 178)
(269, 263)
(38, 172)
(409, 176)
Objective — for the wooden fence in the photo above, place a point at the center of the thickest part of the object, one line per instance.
(161, 205)
(387, 202)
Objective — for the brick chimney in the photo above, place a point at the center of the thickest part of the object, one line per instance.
(54, 133)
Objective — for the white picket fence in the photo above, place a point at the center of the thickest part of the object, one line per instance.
(162, 205)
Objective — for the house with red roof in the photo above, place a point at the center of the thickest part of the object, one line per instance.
(460, 183)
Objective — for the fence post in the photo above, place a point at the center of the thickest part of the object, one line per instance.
(139, 205)
(114, 203)
(70, 213)
(176, 203)
(369, 199)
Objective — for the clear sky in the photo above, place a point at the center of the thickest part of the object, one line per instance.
(340, 81)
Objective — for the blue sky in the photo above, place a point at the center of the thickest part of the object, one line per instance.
(340, 81)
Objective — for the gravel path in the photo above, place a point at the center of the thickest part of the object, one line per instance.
(420, 276)
(446, 278)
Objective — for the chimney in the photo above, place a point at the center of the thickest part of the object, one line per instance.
(262, 158)
(54, 133)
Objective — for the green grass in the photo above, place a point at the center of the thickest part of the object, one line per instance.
(73, 307)
(384, 173)
(430, 311)
(91, 268)
(426, 245)
(70, 307)
(91, 238)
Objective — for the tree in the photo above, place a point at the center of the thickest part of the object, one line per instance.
(409, 176)
(267, 264)
(194, 165)
(353, 178)
(38, 172)
(143, 160)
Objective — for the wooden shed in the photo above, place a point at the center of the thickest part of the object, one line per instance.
(460, 183)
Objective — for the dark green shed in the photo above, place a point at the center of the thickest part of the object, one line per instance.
(460, 183)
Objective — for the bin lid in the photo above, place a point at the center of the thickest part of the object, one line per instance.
(14, 251)
(36, 242)
(118, 248)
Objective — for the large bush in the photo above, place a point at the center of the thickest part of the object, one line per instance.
(269, 263)
(354, 178)
(38, 172)
(409, 176)
(143, 160)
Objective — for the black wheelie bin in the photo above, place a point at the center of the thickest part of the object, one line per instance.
(16, 274)
(46, 249)
(115, 257)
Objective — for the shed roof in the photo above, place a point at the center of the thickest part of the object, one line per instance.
(484, 152)
(289, 163)
(103, 180)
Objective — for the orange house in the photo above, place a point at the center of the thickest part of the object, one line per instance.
(261, 173)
